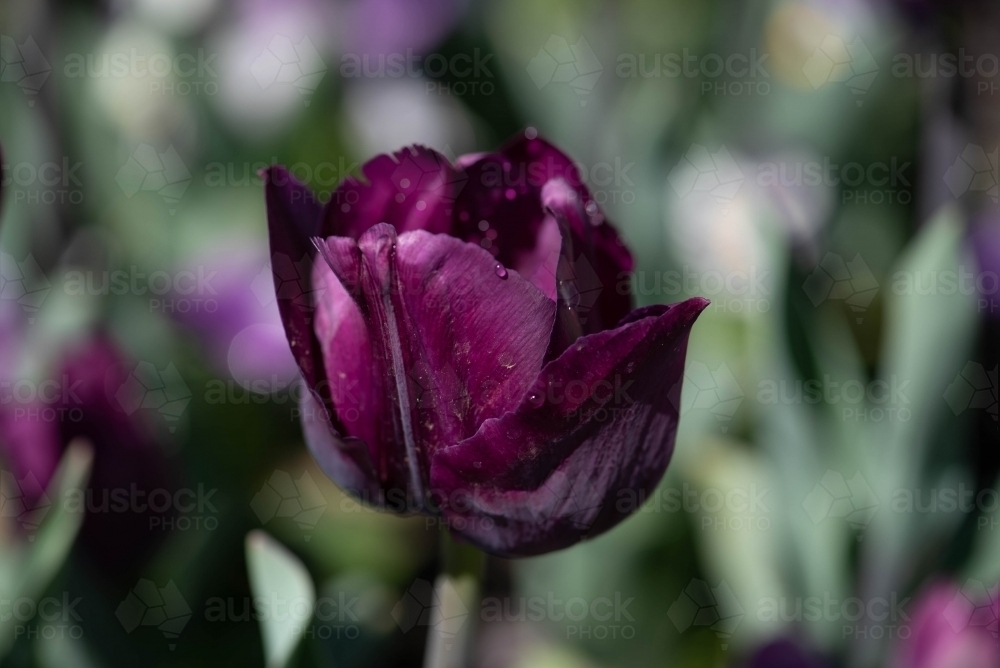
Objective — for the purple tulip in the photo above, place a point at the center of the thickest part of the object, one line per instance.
(785, 653)
(985, 241)
(385, 27)
(79, 401)
(467, 352)
(952, 627)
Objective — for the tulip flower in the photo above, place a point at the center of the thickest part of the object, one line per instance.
(467, 353)
(785, 653)
(78, 401)
(952, 627)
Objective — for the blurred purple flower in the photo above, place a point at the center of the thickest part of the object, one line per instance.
(785, 653)
(78, 401)
(985, 239)
(237, 319)
(1, 184)
(383, 27)
(952, 628)
(466, 347)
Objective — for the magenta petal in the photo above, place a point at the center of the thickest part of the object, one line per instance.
(413, 189)
(454, 341)
(592, 437)
(354, 388)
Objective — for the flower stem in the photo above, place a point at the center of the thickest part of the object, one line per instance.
(456, 609)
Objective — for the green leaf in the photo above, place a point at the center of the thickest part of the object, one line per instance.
(278, 577)
(36, 565)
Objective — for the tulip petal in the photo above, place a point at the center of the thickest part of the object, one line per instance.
(502, 208)
(454, 340)
(591, 438)
(413, 189)
(293, 220)
(353, 388)
(347, 461)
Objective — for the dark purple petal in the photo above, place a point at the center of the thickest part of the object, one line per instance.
(590, 439)
(126, 457)
(345, 460)
(785, 653)
(413, 189)
(293, 220)
(453, 338)
(502, 209)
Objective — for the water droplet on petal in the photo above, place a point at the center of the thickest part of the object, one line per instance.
(530, 133)
(510, 194)
(501, 271)
(484, 225)
(400, 197)
(478, 465)
(536, 399)
(404, 183)
(421, 205)
(591, 207)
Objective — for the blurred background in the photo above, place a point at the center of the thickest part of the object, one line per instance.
(825, 172)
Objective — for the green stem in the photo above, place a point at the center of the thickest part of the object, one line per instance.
(456, 612)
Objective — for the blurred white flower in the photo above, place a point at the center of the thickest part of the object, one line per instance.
(179, 17)
(272, 59)
(386, 114)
